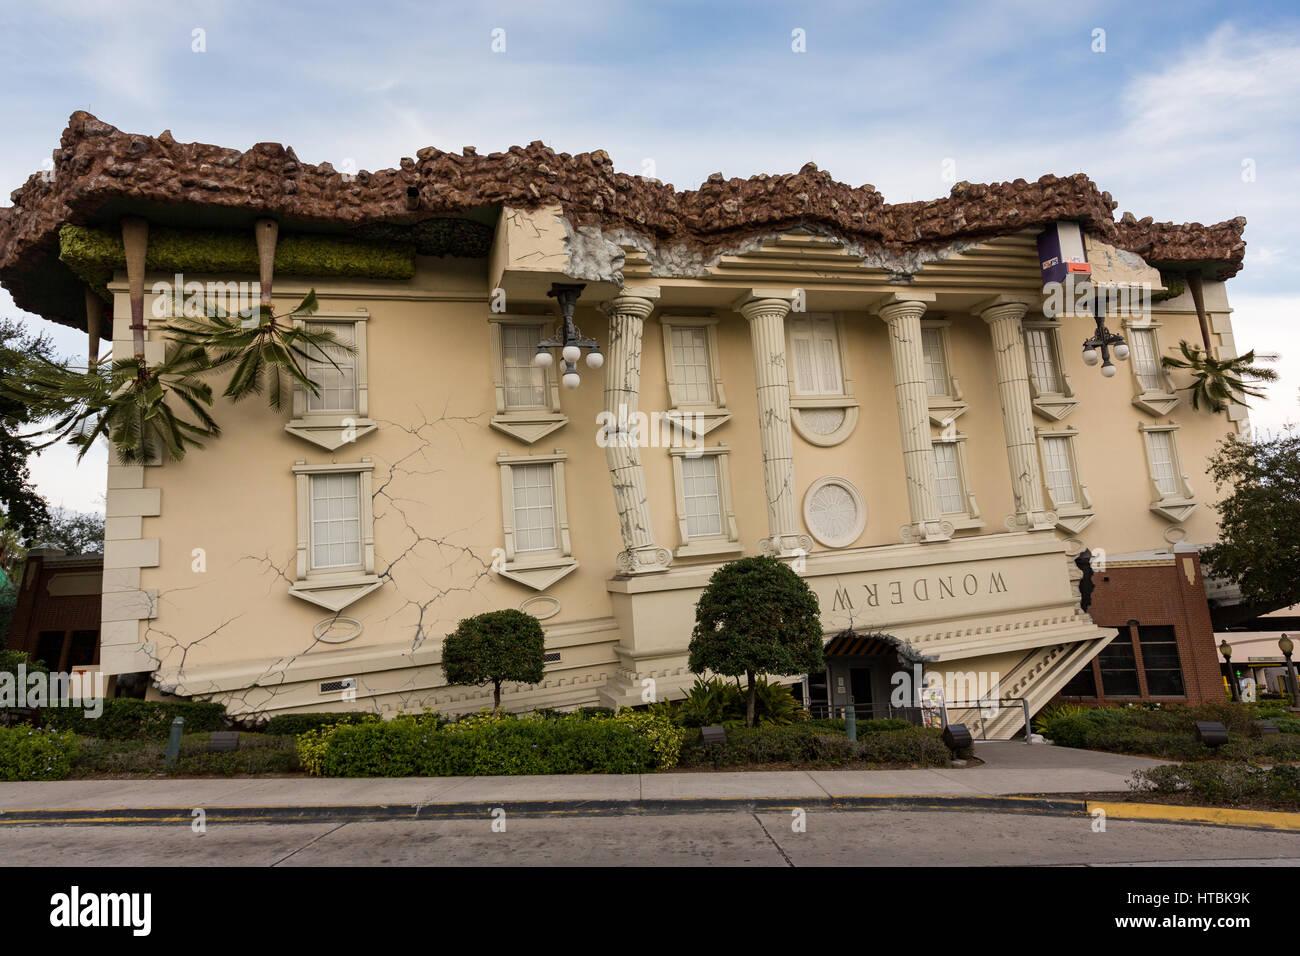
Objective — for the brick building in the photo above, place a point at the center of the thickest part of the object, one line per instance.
(1165, 648)
(57, 617)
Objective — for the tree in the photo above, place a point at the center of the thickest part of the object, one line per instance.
(1216, 381)
(146, 409)
(756, 617)
(493, 648)
(76, 532)
(22, 507)
(1259, 518)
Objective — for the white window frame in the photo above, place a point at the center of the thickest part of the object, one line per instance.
(332, 429)
(948, 407)
(335, 588)
(1177, 505)
(1052, 404)
(1071, 517)
(524, 424)
(844, 401)
(537, 569)
(697, 418)
(970, 517)
(1162, 399)
(728, 541)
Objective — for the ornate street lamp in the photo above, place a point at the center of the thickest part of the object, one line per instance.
(568, 338)
(1098, 348)
(1226, 650)
(1286, 646)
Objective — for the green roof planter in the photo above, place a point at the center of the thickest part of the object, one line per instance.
(94, 254)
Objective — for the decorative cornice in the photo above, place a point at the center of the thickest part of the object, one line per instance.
(97, 165)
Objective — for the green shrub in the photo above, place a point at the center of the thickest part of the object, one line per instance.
(257, 754)
(127, 718)
(493, 744)
(804, 745)
(28, 753)
(1223, 783)
(717, 701)
(294, 724)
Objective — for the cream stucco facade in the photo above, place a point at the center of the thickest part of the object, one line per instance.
(918, 438)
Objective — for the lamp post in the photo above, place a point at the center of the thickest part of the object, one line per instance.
(1098, 348)
(1286, 646)
(568, 338)
(1226, 650)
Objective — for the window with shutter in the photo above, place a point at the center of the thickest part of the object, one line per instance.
(1162, 461)
(815, 344)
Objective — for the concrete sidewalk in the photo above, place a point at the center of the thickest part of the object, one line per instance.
(1009, 768)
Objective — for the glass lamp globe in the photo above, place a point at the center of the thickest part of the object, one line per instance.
(543, 359)
(1108, 370)
(1121, 351)
(572, 353)
(1090, 357)
(595, 359)
(571, 380)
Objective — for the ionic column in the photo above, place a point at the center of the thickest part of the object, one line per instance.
(903, 317)
(766, 318)
(1003, 316)
(627, 315)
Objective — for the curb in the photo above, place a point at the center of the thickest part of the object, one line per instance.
(1213, 816)
(144, 816)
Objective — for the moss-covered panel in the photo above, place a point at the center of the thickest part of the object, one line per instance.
(93, 254)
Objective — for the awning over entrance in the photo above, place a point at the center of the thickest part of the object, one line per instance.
(849, 643)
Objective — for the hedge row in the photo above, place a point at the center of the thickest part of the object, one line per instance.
(1224, 783)
(295, 724)
(1118, 737)
(257, 754)
(803, 745)
(492, 745)
(27, 753)
(128, 718)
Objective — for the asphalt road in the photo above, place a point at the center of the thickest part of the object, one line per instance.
(830, 838)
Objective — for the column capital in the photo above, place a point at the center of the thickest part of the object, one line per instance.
(896, 306)
(755, 302)
(1006, 306)
(635, 300)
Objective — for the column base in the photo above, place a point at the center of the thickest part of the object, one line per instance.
(647, 560)
(1032, 521)
(786, 545)
(926, 532)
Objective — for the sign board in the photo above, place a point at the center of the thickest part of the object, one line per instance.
(1061, 253)
(933, 711)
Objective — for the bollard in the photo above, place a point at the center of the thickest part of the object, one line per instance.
(851, 722)
(174, 742)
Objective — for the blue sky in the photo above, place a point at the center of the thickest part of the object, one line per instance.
(1164, 118)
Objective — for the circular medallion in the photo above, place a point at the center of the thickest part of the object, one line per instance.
(542, 606)
(1175, 534)
(337, 630)
(834, 511)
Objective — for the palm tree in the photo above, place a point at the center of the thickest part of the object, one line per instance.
(266, 355)
(141, 408)
(1219, 382)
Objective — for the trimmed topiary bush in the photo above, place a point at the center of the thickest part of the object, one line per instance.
(757, 616)
(493, 648)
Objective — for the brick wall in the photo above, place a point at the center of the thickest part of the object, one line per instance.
(1170, 593)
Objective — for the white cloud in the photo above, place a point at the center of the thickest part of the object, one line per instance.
(1271, 324)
